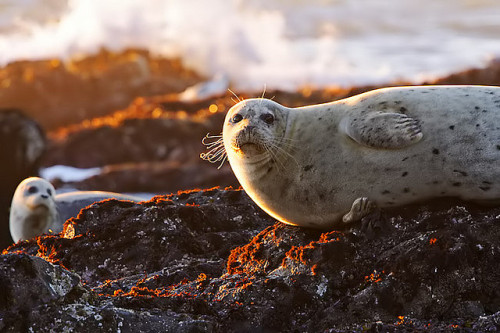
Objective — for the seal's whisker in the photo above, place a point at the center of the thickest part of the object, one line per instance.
(281, 158)
(288, 153)
(275, 157)
(216, 150)
(287, 145)
(232, 92)
(223, 160)
(278, 152)
(215, 155)
(209, 137)
(215, 144)
(215, 147)
(263, 94)
(283, 151)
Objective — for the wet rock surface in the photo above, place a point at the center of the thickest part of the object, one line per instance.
(211, 260)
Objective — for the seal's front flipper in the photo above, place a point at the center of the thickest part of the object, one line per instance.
(373, 222)
(360, 208)
(382, 129)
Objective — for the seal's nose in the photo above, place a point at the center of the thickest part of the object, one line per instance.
(250, 128)
(45, 196)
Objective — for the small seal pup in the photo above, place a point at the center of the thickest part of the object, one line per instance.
(36, 209)
(321, 165)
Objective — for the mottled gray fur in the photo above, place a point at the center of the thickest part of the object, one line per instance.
(389, 147)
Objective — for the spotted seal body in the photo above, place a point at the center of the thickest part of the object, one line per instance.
(36, 209)
(319, 165)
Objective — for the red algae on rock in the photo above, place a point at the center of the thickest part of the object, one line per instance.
(214, 259)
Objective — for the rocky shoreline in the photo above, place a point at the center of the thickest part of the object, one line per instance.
(211, 260)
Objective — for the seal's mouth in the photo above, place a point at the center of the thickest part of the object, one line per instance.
(248, 142)
(247, 147)
(250, 148)
(38, 208)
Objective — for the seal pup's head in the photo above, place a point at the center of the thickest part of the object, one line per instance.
(254, 129)
(33, 210)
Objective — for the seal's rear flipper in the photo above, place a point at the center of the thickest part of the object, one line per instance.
(382, 129)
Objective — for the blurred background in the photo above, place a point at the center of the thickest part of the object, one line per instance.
(117, 94)
(281, 43)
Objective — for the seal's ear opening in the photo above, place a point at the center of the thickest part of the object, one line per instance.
(216, 151)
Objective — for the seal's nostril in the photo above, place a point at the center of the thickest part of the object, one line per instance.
(45, 196)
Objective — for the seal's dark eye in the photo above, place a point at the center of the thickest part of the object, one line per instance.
(32, 189)
(267, 118)
(237, 118)
(49, 191)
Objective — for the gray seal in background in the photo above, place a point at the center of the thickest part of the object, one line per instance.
(37, 210)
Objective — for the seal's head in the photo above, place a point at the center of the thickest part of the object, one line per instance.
(33, 209)
(254, 128)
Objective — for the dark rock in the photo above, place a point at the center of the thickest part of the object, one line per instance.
(197, 228)
(135, 140)
(57, 93)
(148, 148)
(38, 296)
(211, 260)
(30, 282)
(22, 144)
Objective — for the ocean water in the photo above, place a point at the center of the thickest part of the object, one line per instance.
(277, 43)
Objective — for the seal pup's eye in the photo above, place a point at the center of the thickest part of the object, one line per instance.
(237, 118)
(267, 118)
(32, 189)
(49, 191)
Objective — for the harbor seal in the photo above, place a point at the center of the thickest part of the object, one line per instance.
(36, 209)
(328, 164)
